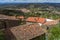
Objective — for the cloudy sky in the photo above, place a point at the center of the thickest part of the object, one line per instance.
(31, 1)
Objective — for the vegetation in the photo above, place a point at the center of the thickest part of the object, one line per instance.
(42, 37)
(54, 33)
(2, 37)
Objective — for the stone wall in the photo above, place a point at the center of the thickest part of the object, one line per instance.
(9, 23)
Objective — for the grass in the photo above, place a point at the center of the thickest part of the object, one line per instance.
(54, 33)
(2, 35)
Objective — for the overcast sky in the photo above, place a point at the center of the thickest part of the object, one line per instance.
(31, 1)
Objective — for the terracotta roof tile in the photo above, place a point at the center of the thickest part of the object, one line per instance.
(27, 32)
(36, 19)
(20, 17)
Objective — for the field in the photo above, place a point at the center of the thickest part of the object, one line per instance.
(2, 35)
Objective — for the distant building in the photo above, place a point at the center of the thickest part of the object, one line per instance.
(24, 10)
(20, 18)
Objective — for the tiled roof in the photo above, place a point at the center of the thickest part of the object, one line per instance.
(26, 32)
(20, 17)
(51, 22)
(36, 19)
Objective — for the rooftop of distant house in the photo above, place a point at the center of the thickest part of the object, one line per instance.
(25, 10)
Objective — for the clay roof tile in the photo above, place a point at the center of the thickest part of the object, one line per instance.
(36, 19)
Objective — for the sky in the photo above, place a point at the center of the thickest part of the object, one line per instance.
(29, 1)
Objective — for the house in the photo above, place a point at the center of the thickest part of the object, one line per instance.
(25, 10)
(20, 18)
(14, 31)
(35, 19)
(25, 32)
(42, 21)
(8, 21)
(28, 31)
(51, 22)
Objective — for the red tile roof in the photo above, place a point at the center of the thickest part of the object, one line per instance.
(36, 19)
(20, 17)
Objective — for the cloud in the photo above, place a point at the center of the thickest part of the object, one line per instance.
(30, 1)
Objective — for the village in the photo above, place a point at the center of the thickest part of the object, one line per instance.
(21, 24)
